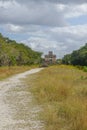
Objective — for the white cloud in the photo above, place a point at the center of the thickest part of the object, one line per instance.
(40, 13)
(61, 40)
(44, 45)
(45, 23)
(40, 43)
(75, 10)
(33, 13)
(53, 1)
(5, 5)
(14, 28)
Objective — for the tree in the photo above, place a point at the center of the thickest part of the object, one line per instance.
(13, 53)
(77, 57)
(66, 59)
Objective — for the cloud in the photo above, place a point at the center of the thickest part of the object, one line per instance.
(14, 28)
(60, 40)
(33, 13)
(44, 13)
(75, 10)
(44, 45)
(54, 1)
(44, 24)
(40, 43)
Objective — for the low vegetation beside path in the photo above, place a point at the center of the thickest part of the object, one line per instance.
(7, 71)
(62, 92)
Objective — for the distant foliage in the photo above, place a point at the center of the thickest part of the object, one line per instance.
(78, 57)
(12, 53)
(85, 68)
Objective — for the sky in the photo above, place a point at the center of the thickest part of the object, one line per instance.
(45, 25)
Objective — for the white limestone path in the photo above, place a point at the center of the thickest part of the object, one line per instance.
(16, 109)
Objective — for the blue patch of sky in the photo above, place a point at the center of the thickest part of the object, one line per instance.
(14, 36)
(78, 20)
(1, 30)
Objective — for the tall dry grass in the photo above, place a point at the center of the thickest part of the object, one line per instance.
(8, 71)
(62, 92)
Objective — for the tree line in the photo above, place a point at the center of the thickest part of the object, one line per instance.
(13, 53)
(77, 57)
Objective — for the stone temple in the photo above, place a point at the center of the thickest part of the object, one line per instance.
(50, 58)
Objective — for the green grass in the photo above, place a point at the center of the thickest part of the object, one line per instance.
(62, 92)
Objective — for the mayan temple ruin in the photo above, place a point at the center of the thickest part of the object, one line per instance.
(50, 58)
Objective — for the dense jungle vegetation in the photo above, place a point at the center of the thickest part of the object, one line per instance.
(77, 57)
(13, 53)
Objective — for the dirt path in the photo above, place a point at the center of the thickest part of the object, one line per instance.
(17, 110)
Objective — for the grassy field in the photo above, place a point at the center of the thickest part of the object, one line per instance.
(8, 71)
(62, 92)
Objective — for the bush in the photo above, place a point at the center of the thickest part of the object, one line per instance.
(85, 68)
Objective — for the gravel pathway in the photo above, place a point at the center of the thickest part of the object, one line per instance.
(17, 108)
